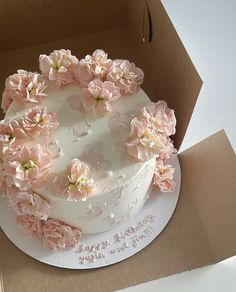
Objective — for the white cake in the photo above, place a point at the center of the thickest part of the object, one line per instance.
(121, 185)
(81, 145)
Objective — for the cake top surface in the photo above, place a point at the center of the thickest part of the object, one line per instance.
(98, 140)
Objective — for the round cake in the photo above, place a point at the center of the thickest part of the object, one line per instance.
(82, 146)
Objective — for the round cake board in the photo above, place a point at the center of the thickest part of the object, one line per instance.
(106, 248)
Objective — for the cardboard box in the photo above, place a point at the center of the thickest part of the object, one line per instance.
(202, 229)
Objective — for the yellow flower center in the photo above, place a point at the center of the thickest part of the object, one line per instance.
(98, 98)
(33, 91)
(38, 120)
(78, 182)
(56, 66)
(148, 139)
(28, 164)
(10, 137)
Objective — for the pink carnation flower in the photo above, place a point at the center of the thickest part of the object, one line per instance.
(160, 117)
(25, 87)
(54, 233)
(143, 142)
(75, 183)
(168, 150)
(99, 96)
(9, 191)
(91, 67)
(6, 100)
(11, 133)
(26, 166)
(38, 121)
(58, 66)
(29, 203)
(31, 225)
(57, 234)
(2, 179)
(163, 179)
(126, 76)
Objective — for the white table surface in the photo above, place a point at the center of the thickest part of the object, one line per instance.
(207, 29)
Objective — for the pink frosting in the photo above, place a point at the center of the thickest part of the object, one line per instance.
(168, 150)
(11, 134)
(54, 233)
(26, 166)
(92, 67)
(6, 100)
(25, 87)
(143, 142)
(163, 179)
(99, 96)
(29, 203)
(59, 66)
(150, 132)
(75, 183)
(126, 76)
(31, 225)
(38, 120)
(160, 117)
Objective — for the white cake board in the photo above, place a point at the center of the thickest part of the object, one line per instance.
(101, 249)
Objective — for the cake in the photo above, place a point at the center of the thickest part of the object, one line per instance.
(82, 146)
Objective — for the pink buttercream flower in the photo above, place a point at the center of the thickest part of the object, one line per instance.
(54, 233)
(2, 177)
(163, 179)
(143, 142)
(27, 166)
(75, 183)
(38, 120)
(99, 96)
(11, 134)
(26, 87)
(168, 150)
(57, 234)
(31, 225)
(126, 76)
(92, 67)
(29, 203)
(9, 192)
(160, 117)
(59, 66)
(6, 100)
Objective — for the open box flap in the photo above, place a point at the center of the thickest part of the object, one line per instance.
(201, 232)
(208, 189)
(169, 72)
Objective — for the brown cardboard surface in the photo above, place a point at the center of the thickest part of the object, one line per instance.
(201, 232)
(209, 177)
(29, 23)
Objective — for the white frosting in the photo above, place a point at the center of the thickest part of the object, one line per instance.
(121, 182)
